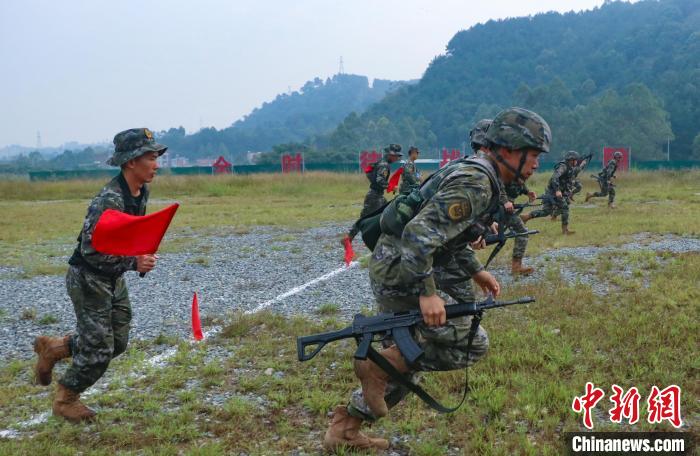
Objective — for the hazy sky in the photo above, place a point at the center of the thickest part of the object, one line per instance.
(84, 70)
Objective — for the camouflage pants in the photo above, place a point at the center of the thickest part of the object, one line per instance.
(103, 314)
(606, 189)
(373, 201)
(445, 347)
(552, 205)
(519, 243)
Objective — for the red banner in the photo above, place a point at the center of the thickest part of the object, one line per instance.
(367, 158)
(448, 156)
(292, 164)
(624, 164)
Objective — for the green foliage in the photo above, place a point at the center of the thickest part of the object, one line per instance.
(290, 118)
(621, 74)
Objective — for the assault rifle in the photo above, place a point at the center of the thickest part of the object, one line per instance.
(395, 326)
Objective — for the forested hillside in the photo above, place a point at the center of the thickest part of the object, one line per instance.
(315, 109)
(622, 74)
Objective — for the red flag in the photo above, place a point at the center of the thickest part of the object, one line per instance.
(349, 253)
(196, 323)
(117, 233)
(394, 180)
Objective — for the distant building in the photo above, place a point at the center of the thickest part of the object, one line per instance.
(253, 157)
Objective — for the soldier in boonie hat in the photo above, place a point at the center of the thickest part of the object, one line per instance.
(133, 143)
(393, 149)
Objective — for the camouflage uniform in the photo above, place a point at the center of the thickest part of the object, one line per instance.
(607, 188)
(95, 281)
(433, 255)
(512, 192)
(560, 181)
(378, 178)
(410, 177)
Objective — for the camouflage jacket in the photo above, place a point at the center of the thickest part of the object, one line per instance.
(561, 179)
(379, 175)
(115, 195)
(609, 171)
(514, 190)
(410, 177)
(439, 233)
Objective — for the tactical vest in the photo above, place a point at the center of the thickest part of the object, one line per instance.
(132, 206)
(393, 218)
(372, 177)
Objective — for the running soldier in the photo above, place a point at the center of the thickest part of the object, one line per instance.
(606, 179)
(378, 176)
(554, 200)
(431, 261)
(96, 285)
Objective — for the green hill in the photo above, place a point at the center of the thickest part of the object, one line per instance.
(624, 74)
(315, 109)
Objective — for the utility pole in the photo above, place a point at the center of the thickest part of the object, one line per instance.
(38, 140)
(341, 67)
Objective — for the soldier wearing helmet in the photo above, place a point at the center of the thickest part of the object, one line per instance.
(96, 284)
(509, 193)
(378, 176)
(430, 261)
(555, 199)
(606, 179)
(477, 136)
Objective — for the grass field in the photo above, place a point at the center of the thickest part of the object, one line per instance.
(243, 392)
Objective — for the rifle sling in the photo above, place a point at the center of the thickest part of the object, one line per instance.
(401, 379)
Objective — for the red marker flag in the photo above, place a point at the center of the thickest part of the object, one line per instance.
(196, 323)
(394, 180)
(349, 253)
(117, 233)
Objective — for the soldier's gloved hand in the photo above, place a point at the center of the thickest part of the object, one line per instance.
(433, 310)
(558, 194)
(487, 282)
(532, 196)
(509, 207)
(144, 263)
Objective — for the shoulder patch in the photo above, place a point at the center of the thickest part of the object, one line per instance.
(459, 211)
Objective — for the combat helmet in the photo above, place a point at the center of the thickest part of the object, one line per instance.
(477, 136)
(518, 129)
(617, 155)
(133, 143)
(572, 155)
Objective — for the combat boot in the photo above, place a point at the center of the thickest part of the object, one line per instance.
(565, 230)
(344, 432)
(589, 195)
(518, 268)
(611, 206)
(374, 379)
(49, 351)
(67, 405)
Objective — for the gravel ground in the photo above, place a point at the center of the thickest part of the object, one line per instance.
(241, 272)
